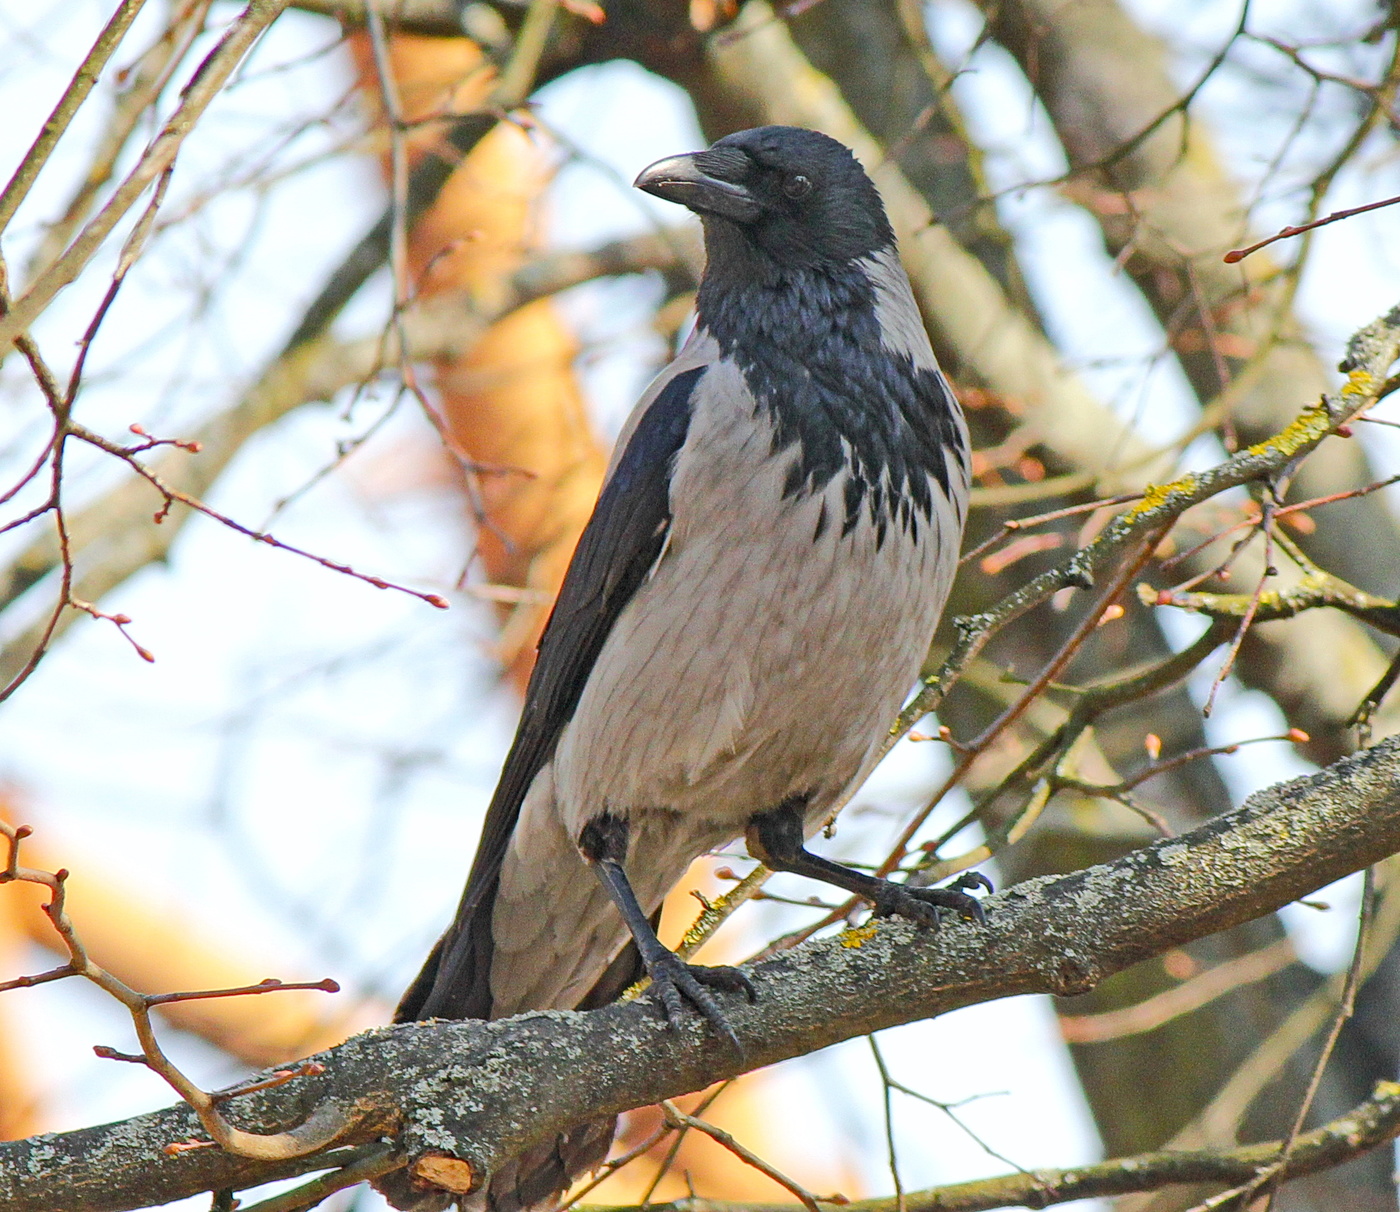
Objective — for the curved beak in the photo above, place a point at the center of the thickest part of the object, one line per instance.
(680, 179)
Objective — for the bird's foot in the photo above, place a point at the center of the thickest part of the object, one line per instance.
(925, 906)
(675, 982)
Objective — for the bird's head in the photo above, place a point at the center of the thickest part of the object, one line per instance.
(794, 197)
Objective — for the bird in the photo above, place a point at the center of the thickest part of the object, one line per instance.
(746, 609)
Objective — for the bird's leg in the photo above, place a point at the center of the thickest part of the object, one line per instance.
(603, 843)
(777, 840)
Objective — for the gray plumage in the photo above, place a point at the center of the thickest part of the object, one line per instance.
(747, 609)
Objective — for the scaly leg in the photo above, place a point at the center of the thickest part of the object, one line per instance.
(603, 843)
(776, 839)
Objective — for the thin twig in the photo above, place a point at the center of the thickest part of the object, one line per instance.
(1239, 254)
(82, 83)
(173, 494)
(679, 1119)
(206, 84)
(1345, 1009)
(892, 1155)
(327, 1123)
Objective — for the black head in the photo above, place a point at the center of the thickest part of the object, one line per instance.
(795, 197)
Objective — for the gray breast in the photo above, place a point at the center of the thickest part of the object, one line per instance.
(764, 656)
(767, 651)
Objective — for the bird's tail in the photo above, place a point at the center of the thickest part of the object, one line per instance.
(532, 1182)
(454, 983)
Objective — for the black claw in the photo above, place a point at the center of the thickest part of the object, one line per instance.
(676, 982)
(924, 905)
(969, 880)
(970, 908)
(722, 976)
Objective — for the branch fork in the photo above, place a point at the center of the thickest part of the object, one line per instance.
(327, 1123)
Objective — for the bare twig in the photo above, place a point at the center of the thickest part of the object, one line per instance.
(1345, 1008)
(1239, 254)
(206, 83)
(1190, 995)
(82, 83)
(173, 494)
(326, 1123)
(144, 82)
(891, 1153)
(679, 1119)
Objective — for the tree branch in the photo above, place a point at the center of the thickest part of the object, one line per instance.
(201, 89)
(988, 341)
(114, 537)
(484, 1092)
(1374, 1122)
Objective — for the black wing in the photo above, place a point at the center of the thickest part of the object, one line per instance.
(619, 546)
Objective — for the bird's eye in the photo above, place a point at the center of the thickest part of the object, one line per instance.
(797, 186)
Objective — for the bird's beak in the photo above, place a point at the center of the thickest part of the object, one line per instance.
(680, 179)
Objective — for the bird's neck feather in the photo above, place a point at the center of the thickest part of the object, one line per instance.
(809, 342)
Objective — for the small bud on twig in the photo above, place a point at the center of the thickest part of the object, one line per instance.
(106, 1053)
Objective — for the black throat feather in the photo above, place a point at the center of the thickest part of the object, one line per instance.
(808, 342)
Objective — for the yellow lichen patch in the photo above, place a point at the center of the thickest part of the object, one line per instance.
(1311, 425)
(1360, 382)
(857, 935)
(1158, 495)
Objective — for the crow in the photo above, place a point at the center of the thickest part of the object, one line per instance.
(747, 607)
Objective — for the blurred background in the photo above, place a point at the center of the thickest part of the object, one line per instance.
(400, 290)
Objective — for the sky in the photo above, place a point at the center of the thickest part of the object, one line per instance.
(307, 760)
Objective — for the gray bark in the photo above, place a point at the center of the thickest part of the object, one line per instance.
(483, 1092)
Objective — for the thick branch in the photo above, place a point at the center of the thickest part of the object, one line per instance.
(485, 1092)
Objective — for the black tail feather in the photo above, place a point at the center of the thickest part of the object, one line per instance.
(454, 982)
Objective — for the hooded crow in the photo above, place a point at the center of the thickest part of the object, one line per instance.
(745, 611)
